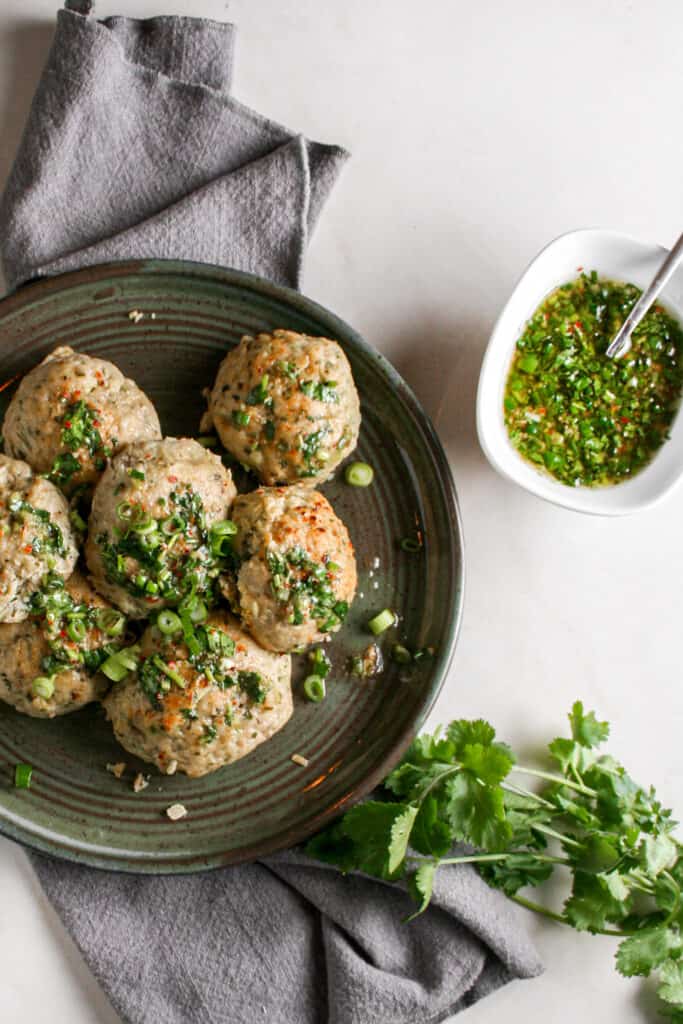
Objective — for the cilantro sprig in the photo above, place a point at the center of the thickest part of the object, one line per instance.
(612, 838)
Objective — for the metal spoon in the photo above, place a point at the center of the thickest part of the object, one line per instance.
(622, 340)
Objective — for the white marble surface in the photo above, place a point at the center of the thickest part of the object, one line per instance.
(479, 131)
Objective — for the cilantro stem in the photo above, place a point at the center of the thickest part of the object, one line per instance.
(538, 908)
(474, 858)
(677, 896)
(556, 835)
(521, 791)
(559, 780)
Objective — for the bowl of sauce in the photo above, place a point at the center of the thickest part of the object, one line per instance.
(554, 414)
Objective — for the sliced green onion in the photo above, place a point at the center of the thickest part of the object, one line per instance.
(110, 621)
(198, 610)
(384, 620)
(76, 630)
(22, 776)
(240, 418)
(208, 441)
(174, 676)
(320, 663)
(423, 654)
(168, 622)
(77, 521)
(224, 528)
(144, 526)
(43, 686)
(128, 657)
(113, 668)
(359, 474)
(314, 688)
(174, 524)
(410, 545)
(401, 654)
(136, 474)
(124, 510)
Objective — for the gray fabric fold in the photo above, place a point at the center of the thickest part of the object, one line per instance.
(132, 145)
(134, 148)
(288, 941)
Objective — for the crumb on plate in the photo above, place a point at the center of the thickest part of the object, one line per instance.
(176, 811)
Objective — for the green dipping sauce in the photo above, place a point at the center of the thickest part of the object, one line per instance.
(586, 419)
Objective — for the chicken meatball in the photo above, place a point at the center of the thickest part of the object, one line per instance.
(35, 535)
(297, 570)
(158, 524)
(196, 712)
(49, 664)
(285, 405)
(71, 413)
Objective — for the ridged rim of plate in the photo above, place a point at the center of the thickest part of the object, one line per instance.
(288, 837)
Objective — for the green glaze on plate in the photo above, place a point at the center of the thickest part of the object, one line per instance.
(77, 810)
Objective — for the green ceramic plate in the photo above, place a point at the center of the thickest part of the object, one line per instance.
(75, 809)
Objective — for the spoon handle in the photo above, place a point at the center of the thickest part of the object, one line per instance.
(622, 340)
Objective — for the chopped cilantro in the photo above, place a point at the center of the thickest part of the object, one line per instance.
(305, 587)
(259, 394)
(321, 390)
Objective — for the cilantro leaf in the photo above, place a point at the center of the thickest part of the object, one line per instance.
(420, 886)
(476, 812)
(671, 987)
(586, 729)
(659, 853)
(515, 872)
(333, 846)
(431, 835)
(490, 764)
(591, 904)
(645, 950)
(380, 834)
(400, 837)
(462, 732)
(409, 781)
(571, 755)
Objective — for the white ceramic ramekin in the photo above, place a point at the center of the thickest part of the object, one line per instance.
(613, 256)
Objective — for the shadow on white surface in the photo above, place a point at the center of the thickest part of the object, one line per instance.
(440, 360)
(67, 988)
(27, 45)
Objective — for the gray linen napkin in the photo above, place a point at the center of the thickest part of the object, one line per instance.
(134, 148)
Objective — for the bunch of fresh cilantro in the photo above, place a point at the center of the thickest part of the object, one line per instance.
(590, 818)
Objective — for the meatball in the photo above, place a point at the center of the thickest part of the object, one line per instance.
(199, 712)
(71, 413)
(35, 535)
(49, 663)
(285, 405)
(154, 530)
(297, 572)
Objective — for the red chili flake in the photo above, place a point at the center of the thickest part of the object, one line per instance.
(173, 479)
(172, 664)
(579, 325)
(28, 549)
(67, 424)
(579, 269)
(62, 633)
(95, 423)
(625, 419)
